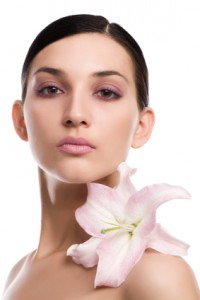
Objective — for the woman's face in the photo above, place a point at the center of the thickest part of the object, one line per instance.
(80, 111)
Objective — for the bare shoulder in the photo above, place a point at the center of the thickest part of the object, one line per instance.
(161, 277)
(15, 271)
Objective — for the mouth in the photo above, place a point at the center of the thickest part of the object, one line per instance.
(75, 146)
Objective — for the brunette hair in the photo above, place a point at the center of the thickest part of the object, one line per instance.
(85, 23)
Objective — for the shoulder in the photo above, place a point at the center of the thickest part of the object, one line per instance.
(162, 277)
(15, 271)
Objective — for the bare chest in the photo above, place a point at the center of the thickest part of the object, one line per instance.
(58, 280)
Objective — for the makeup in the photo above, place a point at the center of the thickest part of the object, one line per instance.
(75, 146)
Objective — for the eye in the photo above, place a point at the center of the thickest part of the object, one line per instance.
(50, 90)
(108, 94)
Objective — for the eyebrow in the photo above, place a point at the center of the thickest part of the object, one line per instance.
(108, 73)
(52, 71)
(60, 73)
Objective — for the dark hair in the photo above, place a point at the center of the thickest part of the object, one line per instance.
(83, 23)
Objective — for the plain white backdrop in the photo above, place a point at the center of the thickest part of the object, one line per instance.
(169, 34)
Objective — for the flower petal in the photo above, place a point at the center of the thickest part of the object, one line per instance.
(143, 204)
(156, 194)
(118, 253)
(85, 254)
(161, 241)
(128, 218)
(105, 206)
(102, 208)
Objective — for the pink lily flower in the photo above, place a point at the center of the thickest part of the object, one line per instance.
(122, 224)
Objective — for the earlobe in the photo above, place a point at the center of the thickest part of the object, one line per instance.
(18, 120)
(145, 127)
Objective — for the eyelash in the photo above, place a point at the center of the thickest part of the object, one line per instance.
(53, 90)
(49, 91)
(112, 94)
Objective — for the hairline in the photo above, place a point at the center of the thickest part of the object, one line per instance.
(25, 77)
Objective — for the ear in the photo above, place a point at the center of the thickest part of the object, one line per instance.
(145, 127)
(18, 120)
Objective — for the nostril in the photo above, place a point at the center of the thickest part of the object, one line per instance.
(74, 123)
(69, 123)
(84, 123)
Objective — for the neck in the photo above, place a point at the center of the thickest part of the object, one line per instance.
(59, 228)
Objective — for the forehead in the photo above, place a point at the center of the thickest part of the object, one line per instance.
(85, 51)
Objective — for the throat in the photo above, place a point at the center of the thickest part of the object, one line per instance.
(59, 228)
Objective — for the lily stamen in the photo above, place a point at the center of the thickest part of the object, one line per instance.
(127, 227)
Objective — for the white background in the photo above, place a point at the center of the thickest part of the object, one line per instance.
(169, 34)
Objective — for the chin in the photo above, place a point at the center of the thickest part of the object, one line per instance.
(109, 179)
(83, 172)
(76, 177)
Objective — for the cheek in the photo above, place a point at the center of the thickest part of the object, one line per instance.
(125, 126)
(121, 133)
(39, 128)
(39, 118)
(125, 134)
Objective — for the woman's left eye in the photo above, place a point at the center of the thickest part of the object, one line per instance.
(108, 94)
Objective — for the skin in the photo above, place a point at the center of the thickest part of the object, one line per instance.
(81, 106)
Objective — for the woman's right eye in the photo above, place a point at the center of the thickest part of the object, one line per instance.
(50, 90)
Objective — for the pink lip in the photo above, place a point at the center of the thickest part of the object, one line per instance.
(77, 146)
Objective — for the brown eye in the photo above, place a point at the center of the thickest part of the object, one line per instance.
(50, 90)
(108, 94)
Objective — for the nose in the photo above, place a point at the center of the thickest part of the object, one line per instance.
(75, 121)
(77, 112)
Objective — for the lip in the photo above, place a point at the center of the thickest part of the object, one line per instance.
(76, 146)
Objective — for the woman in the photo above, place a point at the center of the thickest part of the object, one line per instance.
(84, 104)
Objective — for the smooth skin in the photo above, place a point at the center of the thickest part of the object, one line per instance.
(83, 86)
